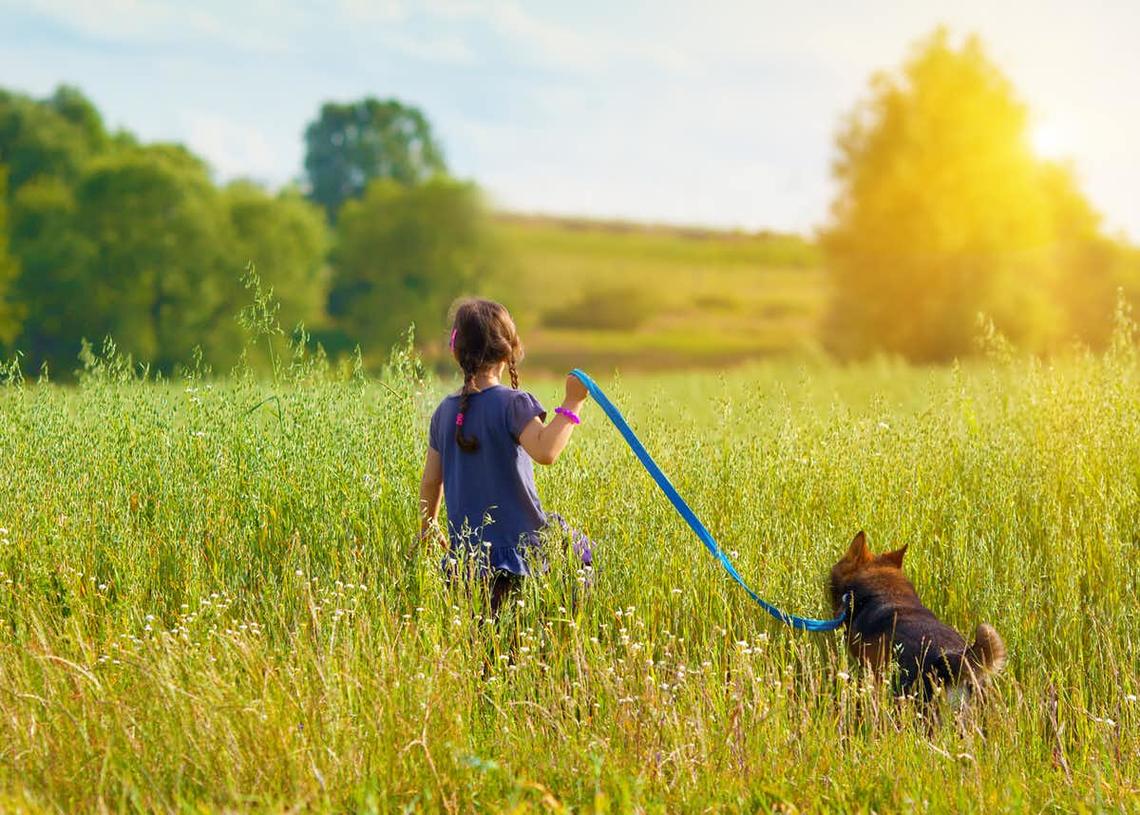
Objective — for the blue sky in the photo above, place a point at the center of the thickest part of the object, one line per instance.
(711, 113)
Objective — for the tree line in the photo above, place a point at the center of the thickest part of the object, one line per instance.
(944, 214)
(103, 235)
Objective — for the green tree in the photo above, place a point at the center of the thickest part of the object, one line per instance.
(350, 145)
(50, 138)
(943, 211)
(52, 286)
(287, 240)
(10, 310)
(404, 253)
(160, 276)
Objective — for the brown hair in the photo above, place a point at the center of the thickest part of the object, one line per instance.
(483, 334)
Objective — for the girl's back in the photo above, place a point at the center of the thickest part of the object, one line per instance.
(490, 492)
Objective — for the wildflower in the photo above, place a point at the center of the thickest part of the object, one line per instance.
(1131, 697)
(843, 676)
(520, 603)
(299, 573)
(677, 591)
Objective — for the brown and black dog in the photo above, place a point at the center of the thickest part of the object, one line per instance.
(887, 620)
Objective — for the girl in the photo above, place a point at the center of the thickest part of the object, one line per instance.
(481, 446)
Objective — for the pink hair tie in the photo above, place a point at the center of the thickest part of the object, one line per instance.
(459, 420)
(451, 344)
(569, 414)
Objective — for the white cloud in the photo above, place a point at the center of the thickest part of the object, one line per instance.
(446, 49)
(233, 148)
(167, 20)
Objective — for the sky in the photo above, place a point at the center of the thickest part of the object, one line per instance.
(707, 113)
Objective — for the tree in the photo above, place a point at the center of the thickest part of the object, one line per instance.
(286, 238)
(52, 285)
(350, 145)
(159, 275)
(943, 211)
(10, 311)
(50, 138)
(403, 254)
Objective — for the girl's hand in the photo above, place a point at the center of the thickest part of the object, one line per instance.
(576, 393)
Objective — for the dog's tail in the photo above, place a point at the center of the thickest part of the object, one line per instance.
(987, 655)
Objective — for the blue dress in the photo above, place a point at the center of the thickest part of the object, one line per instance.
(494, 514)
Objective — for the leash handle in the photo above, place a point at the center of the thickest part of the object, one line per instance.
(690, 517)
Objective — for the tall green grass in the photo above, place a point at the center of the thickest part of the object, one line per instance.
(211, 597)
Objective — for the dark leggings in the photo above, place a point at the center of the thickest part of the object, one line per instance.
(501, 586)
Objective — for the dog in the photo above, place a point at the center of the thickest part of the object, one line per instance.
(886, 620)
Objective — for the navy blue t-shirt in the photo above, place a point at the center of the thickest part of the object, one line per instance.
(490, 493)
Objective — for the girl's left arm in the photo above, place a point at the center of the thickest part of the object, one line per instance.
(431, 493)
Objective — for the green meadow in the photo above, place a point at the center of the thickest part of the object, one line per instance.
(631, 296)
(211, 597)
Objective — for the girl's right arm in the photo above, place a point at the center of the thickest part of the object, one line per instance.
(431, 493)
(544, 443)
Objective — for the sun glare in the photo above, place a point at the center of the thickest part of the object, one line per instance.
(1049, 141)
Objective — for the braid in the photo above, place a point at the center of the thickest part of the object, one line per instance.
(483, 336)
(468, 444)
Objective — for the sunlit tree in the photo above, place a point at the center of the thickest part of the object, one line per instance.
(943, 212)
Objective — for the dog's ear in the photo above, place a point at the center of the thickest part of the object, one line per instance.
(894, 558)
(858, 551)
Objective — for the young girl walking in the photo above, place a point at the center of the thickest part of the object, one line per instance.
(481, 445)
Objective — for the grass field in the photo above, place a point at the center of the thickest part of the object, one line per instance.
(213, 602)
(640, 297)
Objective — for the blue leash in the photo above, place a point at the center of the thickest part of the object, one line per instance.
(800, 623)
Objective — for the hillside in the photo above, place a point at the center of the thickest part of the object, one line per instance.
(630, 296)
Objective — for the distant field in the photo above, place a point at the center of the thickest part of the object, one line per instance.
(638, 297)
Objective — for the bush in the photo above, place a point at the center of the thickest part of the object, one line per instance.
(619, 308)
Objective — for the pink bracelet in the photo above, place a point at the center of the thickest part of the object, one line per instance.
(569, 414)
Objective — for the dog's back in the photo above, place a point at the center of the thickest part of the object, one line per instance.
(889, 621)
